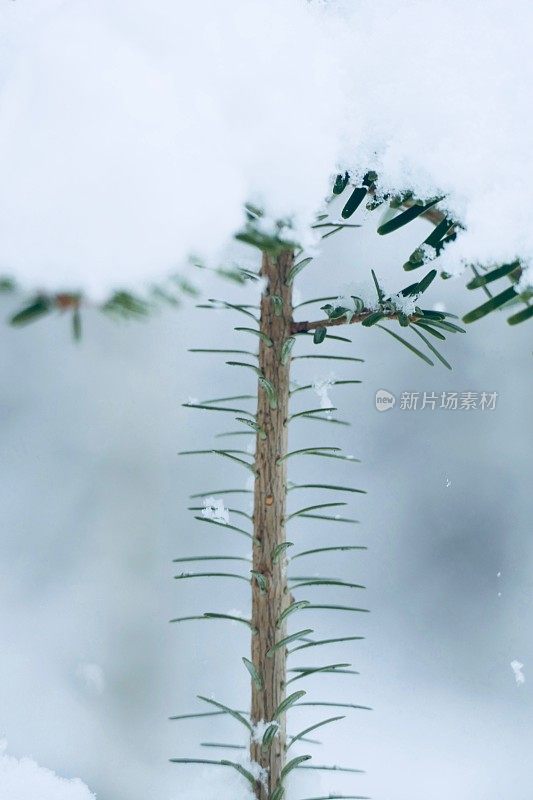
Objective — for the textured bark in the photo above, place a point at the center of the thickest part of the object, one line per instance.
(269, 520)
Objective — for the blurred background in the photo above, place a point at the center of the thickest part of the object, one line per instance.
(94, 504)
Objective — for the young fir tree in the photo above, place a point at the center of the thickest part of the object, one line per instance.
(276, 633)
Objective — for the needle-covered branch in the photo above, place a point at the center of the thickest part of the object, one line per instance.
(305, 326)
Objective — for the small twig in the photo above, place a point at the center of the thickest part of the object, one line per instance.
(304, 326)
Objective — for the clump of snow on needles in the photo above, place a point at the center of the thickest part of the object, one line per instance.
(23, 779)
(215, 510)
(365, 293)
(132, 134)
(406, 304)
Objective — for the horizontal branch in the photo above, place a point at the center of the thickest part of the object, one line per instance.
(305, 327)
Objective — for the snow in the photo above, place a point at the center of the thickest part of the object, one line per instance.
(23, 779)
(147, 153)
(215, 509)
(259, 773)
(224, 783)
(406, 305)
(321, 387)
(117, 168)
(214, 783)
(260, 728)
(364, 290)
(518, 670)
(526, 280)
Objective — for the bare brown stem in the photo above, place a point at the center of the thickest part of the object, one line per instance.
(270, 595)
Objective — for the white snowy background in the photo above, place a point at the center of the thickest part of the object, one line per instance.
(93, 510)
(130, 137)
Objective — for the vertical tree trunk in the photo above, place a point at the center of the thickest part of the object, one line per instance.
(271, 596)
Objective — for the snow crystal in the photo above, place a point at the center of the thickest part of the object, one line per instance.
(215, 509)
(115, 188)
(404, 304)
(23, 779)
(519, 676)
(321, 387)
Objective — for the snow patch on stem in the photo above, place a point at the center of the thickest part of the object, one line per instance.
(259, 772)
(260, 728)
